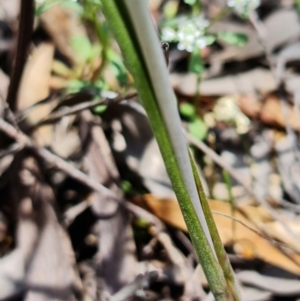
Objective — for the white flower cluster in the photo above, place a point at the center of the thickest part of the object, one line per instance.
(243, 6)
(189, 35)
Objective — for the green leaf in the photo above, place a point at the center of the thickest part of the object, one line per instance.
(118, 67)
(83, 47)
(196, 63)
(298, 4)
(233, 38)
(142, 223)
(74, 6)
(126, 186)
(190, 2)
(45, 6)
(210, 39)
(198, 129)
(75, 85)
(187, 110)
(99, 110)
(170, 9)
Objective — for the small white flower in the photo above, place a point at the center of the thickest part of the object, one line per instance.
(168, 34)
(201, 22)
(201, 42)
(243, 6)
(186, 42)
(191, 34)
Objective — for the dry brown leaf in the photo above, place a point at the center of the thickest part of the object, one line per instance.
(272, 114)
(249, 106)
(35, 87)
(261, 218)
(248, 243)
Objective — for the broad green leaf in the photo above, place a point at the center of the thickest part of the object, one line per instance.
(198, 129)
(233, 38)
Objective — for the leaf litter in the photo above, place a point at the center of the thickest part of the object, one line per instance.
(87, 211)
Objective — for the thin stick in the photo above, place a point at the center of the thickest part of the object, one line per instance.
(84, 106)
(56, 161)
(12, 149)
(274, 242)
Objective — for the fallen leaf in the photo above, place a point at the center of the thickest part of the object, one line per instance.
(247, 242)
(249, 106)
(272, 114)
(35, 87)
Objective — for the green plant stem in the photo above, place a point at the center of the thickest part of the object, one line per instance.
(122, 24)
(221, 253)
(227, 181)
(93, 10)
(197, 96)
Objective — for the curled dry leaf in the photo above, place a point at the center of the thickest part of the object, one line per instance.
(248, 244)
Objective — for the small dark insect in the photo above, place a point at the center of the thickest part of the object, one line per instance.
(165, 47)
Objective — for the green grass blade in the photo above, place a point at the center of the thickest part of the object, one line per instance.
(143, 56)
(221, 253)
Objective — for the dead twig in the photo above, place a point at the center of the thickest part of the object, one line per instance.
(12, 149)
(274, 242)
(141, 282)
(55, 161)
(66, 111)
